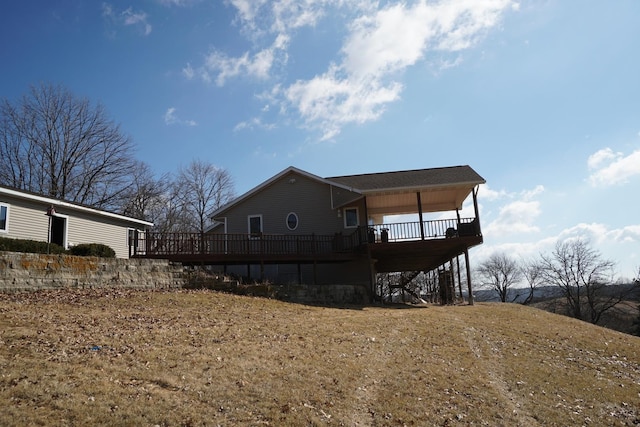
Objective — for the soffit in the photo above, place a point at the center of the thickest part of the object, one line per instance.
(405, 202)
(440, 189)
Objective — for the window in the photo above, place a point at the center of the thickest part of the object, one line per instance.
(4, 218)
(351, 218)
(255, 225)
(292, 221)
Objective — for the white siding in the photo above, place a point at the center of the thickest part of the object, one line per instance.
(84, 229)
(28, 220)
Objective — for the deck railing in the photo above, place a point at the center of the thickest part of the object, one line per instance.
(433, 229)
(161, 244)
(156, 243)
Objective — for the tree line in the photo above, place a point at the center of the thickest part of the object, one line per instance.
(585, 278)
(66, 147)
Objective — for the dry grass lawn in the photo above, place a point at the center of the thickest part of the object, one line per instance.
(144, 358)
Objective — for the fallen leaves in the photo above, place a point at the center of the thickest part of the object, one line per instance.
(179, 357)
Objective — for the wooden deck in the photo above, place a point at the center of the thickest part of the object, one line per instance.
(419, 255)
(395, 247)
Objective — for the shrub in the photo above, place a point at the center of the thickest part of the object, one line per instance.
(93, 249)
(29, 246)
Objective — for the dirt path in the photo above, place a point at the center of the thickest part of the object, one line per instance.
(488, 360)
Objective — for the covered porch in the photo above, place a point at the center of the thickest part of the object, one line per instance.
(434, 234)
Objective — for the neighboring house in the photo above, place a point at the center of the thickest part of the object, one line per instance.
(26, 215)
(297, 227)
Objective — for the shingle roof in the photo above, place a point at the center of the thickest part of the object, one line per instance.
(433, 177)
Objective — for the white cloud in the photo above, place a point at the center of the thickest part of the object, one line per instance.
(618, 244)
(628, 234)
(178, 3)
(383, 39)
(220, 67)
(529, 194)
(487, 193)
(253, 123)
(380, 45)
(188, 72)
(107, 10)
(517, 216)
(170, 118)
(127, 18)
(600, 233)
(330, 101)
(612, 168)
(594, 232)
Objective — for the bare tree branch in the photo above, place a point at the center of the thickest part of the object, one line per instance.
(62, 146)
(585, 278)
(500, 273)
(202, 188)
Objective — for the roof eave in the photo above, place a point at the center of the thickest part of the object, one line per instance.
(270, 181)
(469, 184)
(69, 205)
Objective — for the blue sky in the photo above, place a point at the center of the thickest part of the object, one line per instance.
(540, 97)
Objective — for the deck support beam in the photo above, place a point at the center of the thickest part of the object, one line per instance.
(466, 261)
(459, 277)
(420, 215)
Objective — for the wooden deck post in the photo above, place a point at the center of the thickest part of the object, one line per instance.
(261, 270)
(475, 207)
(466, 261)
(459, 277)
(315, 272)
(420, 215)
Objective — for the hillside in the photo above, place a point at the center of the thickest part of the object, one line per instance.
(203, 358)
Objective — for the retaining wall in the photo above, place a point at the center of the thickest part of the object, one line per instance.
(31, 272)
(326, 294)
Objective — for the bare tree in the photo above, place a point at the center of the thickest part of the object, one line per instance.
(171, 216)
(500, 273)
(146, 197)
(532, 274)
(201, 188)
(53, 143)
(585, 278)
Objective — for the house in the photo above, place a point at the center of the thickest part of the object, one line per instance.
(26, 215)
(297, 227)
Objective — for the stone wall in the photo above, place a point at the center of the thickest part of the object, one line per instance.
(305, 294)
(30, 272)
(326, 294)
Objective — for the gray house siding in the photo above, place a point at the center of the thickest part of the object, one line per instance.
(27, 219)
(83, 229)
(310, 200)
(341, 196)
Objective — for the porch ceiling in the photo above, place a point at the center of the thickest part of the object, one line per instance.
(406, 201)
(389, 193)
